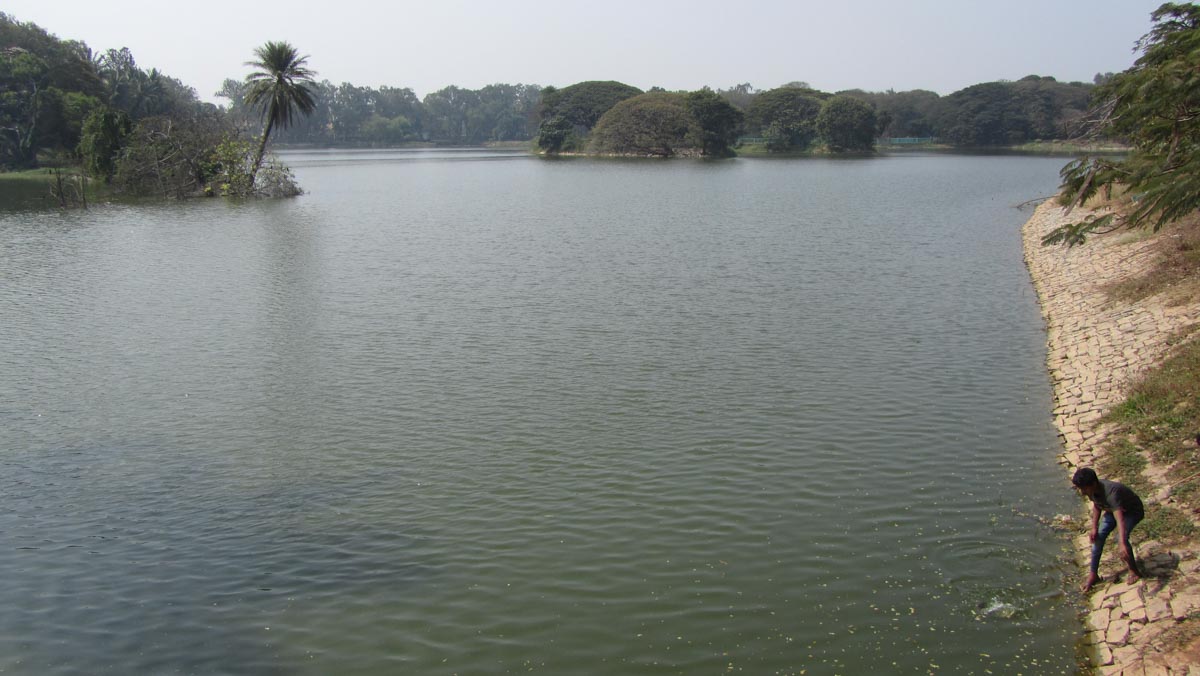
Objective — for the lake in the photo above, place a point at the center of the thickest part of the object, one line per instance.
(465, 411)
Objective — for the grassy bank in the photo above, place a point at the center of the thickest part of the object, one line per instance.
(1157, 438)
(760, 150)
(42, 188)
(1158, 423)
(1069, 148)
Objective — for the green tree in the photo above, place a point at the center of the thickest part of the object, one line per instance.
(280, 88)
(555, 134)
(1155, 107)
(847, 124)
(23, 81)
(380, 130)
(655, 123)
(448, 112)
(395, 103)
(1008, 113)
(506, 112)
(352, 106)
(786, 116)
(719, 121)
(908, 113)
(102, 137)
(581, 105)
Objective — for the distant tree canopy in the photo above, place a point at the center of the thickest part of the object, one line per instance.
(1155, 107)
(568, 114)
(61, 102)
(719, 121)
(582, 104)
(847, 124)
(101, 137)
(50, 87)
(903, 114)
(656, 123)
(665, 124)
(350, 115)
(786, 117)
(1006, 113)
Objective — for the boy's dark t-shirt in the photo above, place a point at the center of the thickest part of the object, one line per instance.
(1114, 495)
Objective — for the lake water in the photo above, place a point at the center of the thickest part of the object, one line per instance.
(477, 412)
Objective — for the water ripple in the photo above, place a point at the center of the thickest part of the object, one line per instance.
(445, 415)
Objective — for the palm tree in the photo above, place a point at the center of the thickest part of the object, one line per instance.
(279, 88)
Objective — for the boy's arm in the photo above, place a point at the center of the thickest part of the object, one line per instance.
(1095, 530)
(1121, 534)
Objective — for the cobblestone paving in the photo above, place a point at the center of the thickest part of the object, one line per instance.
(1095, 348)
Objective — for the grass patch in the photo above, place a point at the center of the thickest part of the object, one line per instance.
(760, 150)
(1163, 408)
(1166, 524)
(1123, 462)
(1159, 420)
(27, 176)
(1070, 148)
(37, 189)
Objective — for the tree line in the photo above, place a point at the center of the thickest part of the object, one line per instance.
(62, 103)
(351, 115)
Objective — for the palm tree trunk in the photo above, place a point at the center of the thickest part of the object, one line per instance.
(262, 148)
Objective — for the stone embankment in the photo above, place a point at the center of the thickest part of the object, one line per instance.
(1096, 348)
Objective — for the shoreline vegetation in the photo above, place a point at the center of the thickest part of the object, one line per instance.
(107, 116)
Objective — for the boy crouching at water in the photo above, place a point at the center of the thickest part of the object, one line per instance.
(1122, 510)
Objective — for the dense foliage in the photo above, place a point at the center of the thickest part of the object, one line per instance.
(568, 114)
(350, 115)
(1008, 113)
(907, 114)
(847, 124)
(655, 124)
(50, 87)
(786, 117)
(719, 121)
(987, 114)
(166, 157)
(1155, 107)
(103, 133)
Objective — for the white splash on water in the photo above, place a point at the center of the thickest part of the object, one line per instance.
(999, 609)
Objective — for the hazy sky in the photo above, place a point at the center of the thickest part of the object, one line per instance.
(941, 45)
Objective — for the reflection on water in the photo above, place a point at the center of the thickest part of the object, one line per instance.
(443, 416)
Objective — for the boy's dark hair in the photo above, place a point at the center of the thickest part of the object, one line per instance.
(1085, 476)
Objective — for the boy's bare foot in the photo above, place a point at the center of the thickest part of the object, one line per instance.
(1133, 577)
(1090, 582)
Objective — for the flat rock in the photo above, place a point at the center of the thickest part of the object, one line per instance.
(1132, 600)
(1118, 632)
(1128, 658)
(1098, 621)
(1184, 604)
(1158, 609)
